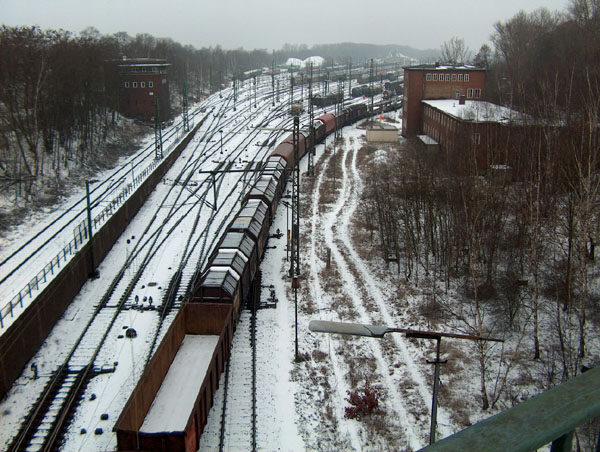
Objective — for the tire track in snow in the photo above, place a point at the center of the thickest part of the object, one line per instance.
(317, 294)
(352, 288)
(380, 299)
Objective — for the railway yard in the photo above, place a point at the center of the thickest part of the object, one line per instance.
(83, 385)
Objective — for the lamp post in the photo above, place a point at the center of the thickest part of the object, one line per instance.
(378, 331)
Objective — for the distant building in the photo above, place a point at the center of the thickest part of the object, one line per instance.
(435, 81)
(141, 81)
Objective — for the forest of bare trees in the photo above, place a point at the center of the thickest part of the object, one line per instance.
(518, 250)
(59, 96)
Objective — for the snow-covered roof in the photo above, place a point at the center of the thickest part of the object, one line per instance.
(477, 111)
(175, 399)
(294, 62)
(426, 139)
(315, 60)
(381, 126)
(444, 67)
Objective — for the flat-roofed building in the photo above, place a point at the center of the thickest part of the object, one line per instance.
(437, 81)
(482, 132)
(383, 133)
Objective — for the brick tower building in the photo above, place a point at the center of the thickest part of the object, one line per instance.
(141, 80)
(435, 81)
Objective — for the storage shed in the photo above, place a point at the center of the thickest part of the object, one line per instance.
(382, 133)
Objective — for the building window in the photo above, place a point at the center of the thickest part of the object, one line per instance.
(134, 84)
(477, 93)
(435, 77)
(460, 77)
(447, 77)
(126, 84)
(476, 138)
(150, 84)
(142, 84)
(466, 77)
(470, 93)
(457, 94)
(453, 77)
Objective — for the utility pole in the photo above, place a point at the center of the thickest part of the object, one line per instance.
(291, 90)
(311, 149)
(184, 102)
(273, 81)
(350, 77)
(235, 92)
(93, 273)
(371, 84)
(295, 259)
(158, 145)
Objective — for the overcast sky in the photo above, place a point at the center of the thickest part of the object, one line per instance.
(268, 24)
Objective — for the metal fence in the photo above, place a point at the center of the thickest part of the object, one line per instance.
(80, 236)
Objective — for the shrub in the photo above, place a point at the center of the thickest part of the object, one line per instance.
(363, 401)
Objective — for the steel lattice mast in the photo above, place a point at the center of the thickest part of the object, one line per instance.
(295, 258)
(158, 145)
(311, 149)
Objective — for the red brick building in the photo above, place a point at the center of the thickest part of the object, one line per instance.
(435, 81)
(141, 80)
(478, 133)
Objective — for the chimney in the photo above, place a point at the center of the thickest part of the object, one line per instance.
(461, 100)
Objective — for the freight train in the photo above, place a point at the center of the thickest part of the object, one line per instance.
(204, 326)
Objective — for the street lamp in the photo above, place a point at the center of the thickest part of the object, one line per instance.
(378, 331)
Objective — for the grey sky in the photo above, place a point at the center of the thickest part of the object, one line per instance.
(268, 24)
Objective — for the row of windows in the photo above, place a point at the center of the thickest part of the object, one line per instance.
(447, 77)
(142, 84)
(473, 93)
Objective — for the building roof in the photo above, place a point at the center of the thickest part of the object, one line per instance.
(381, 126)
(426, 139)
(477, 111)
(142, 62)
(444, 67)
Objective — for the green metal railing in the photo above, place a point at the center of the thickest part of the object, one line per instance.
(550, 417)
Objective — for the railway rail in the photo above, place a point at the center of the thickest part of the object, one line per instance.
(45, 424)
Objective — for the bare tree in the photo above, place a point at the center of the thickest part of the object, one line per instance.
(455, 51)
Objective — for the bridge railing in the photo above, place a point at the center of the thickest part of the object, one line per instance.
(549, 418)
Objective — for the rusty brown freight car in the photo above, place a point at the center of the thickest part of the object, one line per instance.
(169, 407)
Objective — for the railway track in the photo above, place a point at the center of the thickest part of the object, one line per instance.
(46, 421)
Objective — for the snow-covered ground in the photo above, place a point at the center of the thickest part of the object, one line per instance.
(123, 359)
